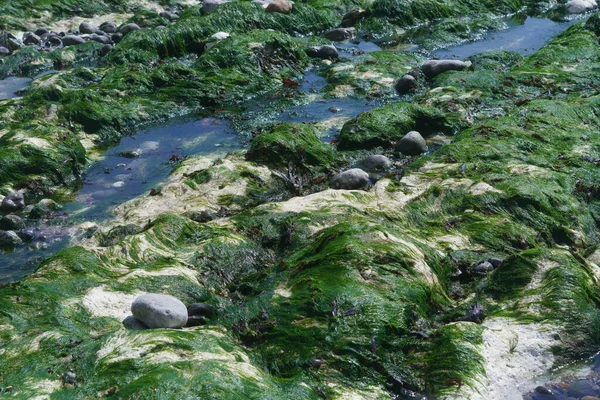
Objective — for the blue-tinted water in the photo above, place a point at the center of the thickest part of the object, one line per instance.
(9, 87)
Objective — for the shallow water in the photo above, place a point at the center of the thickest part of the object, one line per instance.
(116, 179)
(10, 86)
(525, 38)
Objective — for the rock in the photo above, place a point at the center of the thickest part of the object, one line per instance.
(70, 378)
(196, 320)
(590, 398)
(376, 162)
(44, 209)
(11, 223)
(99, 38)
(169, 16)
(107, 48)
(30, 38)
(41, 31)
(134, 324)
(406, 84)
(220, 35)
(26, 235)
(324, 52)
(352, 17)
(202, 216)
(496, 262)
(9, 239)
(433, 68)
(354, 178)
(412, 144)
(4, 51)
(280, 6)
(13, 202)
(583, 387)
(72, 40)
(339, 34)
(116, 37)
(127, 28)
(136, 153)
(483, 267)
(202, 310)
(52, 40)
(108, 27)
(579, 6)
(159, 311)
(543, 390)
(86, 27)
(210, 5)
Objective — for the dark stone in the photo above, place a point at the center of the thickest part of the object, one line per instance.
(132, 323)
(202, 310)
(339, 34)
(196, 320)
(99, 38)
(543, 390)
(30, 38)
(583, 387)
(168, 15)
(377, 162)
(352, 17)
(11, 223)
(41, 31)
(324, 52)
(13, 202)
(107, 48)
(127, 28)
(26, 235)
(72, 40)
(496, 262)
(354, 178)
(433, 68)
(108, 27)
(483, 267)
(406, 84)
(116, 37)
(86, 27)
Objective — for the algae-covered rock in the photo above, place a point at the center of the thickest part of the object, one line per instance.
(159, 311)
(291, 144)
(12, 223)
(9, 239)
(44, 209)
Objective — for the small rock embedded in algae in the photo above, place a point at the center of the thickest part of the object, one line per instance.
(433, 68)
(354, 178)
(159, 311)
(412, 144)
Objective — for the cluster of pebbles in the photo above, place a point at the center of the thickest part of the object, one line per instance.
(108, 33)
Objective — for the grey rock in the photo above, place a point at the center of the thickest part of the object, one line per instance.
(11, 223)
(406, 84)
(354, 178)
(9, 239)
(412, 144)
(352, 17)
(70, 378)
(86, 27)
(30, 38)
(210, 5)
(14, 44)
(324, 52)
(280, 6)
(108, 27)
(132, 323)
(4, 51)
(26, 235)
(41, 31)
(433, 68)
(339, 34)
(202, 310)
(583, 387)
(376, 162)
(579, 6)
(196, 320)
(107, 48)
(100, 38)
(13, 202)
(159, 311)
(44, 209)
(168, 15)
(72, 40)
(127, 28)
(116, 37)
(496, 262)
(483, 267)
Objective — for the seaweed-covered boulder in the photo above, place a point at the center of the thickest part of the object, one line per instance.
(159, 311)
(412, 144)
(12, 223)
(385, 126)
(290, 143)
(9, 239)
(13, 202)
(352, 17)
(127, 28)
(44, 209)
(354, 178)
(433, 68)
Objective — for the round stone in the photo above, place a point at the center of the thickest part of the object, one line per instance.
(11, 223)
(159, 311)
(376, 162)
(412, 144)
(354, 178)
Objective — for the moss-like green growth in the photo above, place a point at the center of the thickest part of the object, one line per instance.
(385, 126)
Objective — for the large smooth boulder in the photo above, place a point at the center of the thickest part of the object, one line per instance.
(127, 28)
(13, 202)
(579, 6)
(280, 6)
(86, 27)
(433, 68)
(412, 144)
(108, 27)
(354, 178)
(159, 311)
